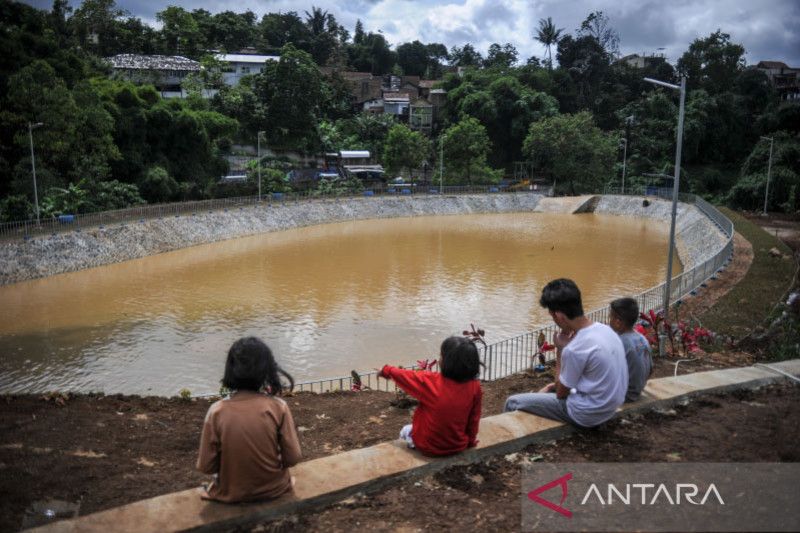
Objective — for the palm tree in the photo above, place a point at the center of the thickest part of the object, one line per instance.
(548, 35)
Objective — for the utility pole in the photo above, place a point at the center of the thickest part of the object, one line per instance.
(769, 171)
(33, 168)
(441, 164)
(675, 186)
(258, 142)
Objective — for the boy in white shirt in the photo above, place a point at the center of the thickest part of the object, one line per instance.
(591, 371)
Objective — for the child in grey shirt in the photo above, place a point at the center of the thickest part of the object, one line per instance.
(623, 316)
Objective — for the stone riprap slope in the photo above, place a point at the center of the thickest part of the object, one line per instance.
(68, 252)
(697, 237)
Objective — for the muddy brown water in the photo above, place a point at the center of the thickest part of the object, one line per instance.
(327, 299)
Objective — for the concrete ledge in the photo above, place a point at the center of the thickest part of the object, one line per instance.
(328, 479)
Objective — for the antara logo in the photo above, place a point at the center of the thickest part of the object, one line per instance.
(638, 493)
(562, 481)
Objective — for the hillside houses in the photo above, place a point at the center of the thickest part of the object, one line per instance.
(410, 99)
(784, 78)
(165, 73)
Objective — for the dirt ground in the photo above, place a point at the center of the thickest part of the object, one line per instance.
(748, 426)
(784, 227)
(97, 451)
(94, 452)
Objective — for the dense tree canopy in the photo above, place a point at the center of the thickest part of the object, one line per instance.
(106, 138)
(577, 154)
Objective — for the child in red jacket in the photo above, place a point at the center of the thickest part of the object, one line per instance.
(449, 412)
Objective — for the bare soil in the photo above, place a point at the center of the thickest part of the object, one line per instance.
(783, 227)
(747, 426)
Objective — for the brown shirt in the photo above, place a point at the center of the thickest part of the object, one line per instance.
(249, 440)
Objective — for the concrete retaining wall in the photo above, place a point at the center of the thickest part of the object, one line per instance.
(67, 252)
(697, 237)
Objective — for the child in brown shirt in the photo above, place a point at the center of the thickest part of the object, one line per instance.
(249, 440)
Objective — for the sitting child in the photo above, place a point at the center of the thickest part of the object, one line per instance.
(623, 316)
(449, 412)
(249, 440)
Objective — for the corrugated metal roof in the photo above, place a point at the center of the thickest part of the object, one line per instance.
(245, 58)
(142, 62)
(395, 98)
(354, 154)
(772, 64)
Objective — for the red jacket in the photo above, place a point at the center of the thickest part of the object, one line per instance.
(449, 412)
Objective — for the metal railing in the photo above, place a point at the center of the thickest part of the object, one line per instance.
(515, 354)
(27, 229)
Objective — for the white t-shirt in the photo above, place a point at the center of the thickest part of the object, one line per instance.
(593, 365)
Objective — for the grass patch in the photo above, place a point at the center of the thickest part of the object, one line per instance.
(751, 301)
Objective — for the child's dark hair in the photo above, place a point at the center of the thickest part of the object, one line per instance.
(460, 359)
(251, 366)
(627, 310)
(562, 295)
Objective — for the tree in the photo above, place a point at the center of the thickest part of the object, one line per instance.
(465, 146)
(358, 34)
(784, 185)
(232, 31)
(713, 63)
(279, 29)
(598, 26)
(651, 135)
(76, 139)
(413, 58)
(548, 35)
(158, 185)
(465, 56)
(372, 55)
(404, 149)
(502, 104)
(501, 56)
(95, 25)
(324, 35)
(180, 32)
(573, 150)
(291, 93)
(586, 63)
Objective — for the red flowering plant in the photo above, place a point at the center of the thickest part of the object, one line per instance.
(650, 322)
(688, 337)
(691, 337)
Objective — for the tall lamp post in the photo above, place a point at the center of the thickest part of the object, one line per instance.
(31, 127)
(441, 163)
(675, 186)
(769, 171)
(628, 121)
(258, 142)
(624, 142)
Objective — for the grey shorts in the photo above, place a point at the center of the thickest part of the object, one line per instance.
(545, 404)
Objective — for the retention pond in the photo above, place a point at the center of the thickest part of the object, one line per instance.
(327, 299)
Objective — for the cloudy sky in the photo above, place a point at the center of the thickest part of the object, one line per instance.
(768, 29)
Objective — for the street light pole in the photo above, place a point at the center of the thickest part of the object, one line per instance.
(33, 168)
(624, 161)
(675, 187)
(628, 121)
(258, 142)
(769, 171)
(441, 163)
